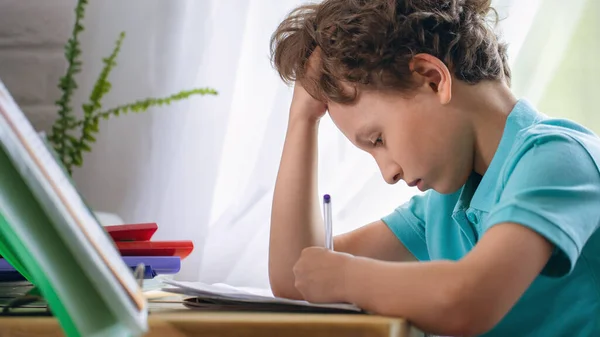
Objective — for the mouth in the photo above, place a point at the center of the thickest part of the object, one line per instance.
(414, 183)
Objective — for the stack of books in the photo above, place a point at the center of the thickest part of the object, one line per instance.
(134, 243)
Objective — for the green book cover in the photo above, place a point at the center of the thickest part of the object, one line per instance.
(49, 235)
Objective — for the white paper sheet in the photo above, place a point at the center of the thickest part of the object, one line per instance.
(264, 296)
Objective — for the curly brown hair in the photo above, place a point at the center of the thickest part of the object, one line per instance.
(370, 43)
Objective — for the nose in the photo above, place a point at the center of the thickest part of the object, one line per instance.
(390, 171)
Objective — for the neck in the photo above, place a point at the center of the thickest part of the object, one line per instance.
(488, 103)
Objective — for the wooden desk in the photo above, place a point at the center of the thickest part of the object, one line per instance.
(177, 321)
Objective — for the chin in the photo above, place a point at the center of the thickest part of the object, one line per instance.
(448, 188)
(445, 191)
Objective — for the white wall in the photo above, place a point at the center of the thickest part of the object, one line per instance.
(32, 35)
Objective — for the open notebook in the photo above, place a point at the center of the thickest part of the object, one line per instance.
(225, 297)
(51, 237)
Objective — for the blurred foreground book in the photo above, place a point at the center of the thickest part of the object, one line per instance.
(49, 235)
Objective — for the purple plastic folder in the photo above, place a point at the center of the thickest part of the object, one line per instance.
(154, 265)
(160, 264)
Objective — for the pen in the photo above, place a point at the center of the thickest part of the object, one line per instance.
(327, 220)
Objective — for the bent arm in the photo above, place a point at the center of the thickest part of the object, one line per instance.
(295, 219)
(467, 297)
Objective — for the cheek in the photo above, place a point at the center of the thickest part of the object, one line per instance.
(429, 145)
(410, 138)
(406, 147)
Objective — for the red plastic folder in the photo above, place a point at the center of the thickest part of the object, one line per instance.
(155, 248)
(132, 232)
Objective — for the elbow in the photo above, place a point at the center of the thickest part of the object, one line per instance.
(277, 285)
(279, 290)
(467, 323)
(282, 288)
(285, 292)
(465, 313)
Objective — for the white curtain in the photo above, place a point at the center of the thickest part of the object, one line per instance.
(204, 169)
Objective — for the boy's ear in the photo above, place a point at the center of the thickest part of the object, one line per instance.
(433, 74)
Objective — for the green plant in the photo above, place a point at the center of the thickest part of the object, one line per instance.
(71, 137)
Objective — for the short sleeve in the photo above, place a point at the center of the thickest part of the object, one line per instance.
(407, 223)
(553, 189)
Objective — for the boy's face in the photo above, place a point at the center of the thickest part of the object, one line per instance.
(415, 139)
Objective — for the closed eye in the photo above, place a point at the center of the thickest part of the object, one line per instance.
(378, 141)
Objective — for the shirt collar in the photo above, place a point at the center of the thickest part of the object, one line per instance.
(480, 196)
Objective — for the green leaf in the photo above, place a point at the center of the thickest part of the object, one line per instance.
(88, 136)
(85, 147)
(77, 160)
(101, 88)
(67, 85)
(74, 141)
(145, 104)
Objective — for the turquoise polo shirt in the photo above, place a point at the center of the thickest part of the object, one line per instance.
(544, 175)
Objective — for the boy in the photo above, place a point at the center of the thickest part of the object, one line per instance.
(504, 241)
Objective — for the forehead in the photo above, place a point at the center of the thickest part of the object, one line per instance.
(366, 113)
(348, 118)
